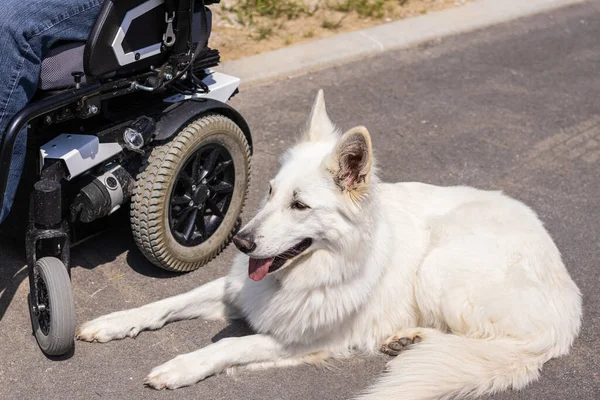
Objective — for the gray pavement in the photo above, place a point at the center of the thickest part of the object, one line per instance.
(515, 107)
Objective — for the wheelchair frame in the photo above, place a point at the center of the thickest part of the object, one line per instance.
(52, 224)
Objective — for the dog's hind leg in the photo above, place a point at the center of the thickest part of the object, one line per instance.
(259, 350)
(402, 341)
(206, 301)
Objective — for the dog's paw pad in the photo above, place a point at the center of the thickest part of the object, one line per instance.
(395, 345)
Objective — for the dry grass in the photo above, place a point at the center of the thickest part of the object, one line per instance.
(247, 27)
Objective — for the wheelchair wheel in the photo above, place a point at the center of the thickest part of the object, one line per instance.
(188, 199)
(52, 307)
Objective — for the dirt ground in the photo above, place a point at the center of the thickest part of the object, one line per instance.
(237, 35)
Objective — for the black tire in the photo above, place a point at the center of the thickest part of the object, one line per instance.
(54, 326)
(152, 204)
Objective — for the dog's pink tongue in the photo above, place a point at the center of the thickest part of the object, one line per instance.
(258, 269)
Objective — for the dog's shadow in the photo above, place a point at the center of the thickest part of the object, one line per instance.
(236, 328)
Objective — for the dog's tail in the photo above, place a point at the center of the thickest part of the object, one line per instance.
(443, 366)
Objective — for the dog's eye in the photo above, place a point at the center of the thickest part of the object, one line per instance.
(298, 205)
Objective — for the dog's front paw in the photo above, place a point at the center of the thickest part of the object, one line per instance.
(109, 327)
(183, 370)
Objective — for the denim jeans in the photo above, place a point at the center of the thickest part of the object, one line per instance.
(28, 29)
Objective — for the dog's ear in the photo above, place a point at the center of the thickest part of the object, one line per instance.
(352, 160)
(319, 126)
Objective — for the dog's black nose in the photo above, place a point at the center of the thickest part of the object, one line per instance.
(244, 242)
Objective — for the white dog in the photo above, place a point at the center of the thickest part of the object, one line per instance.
(464, 286)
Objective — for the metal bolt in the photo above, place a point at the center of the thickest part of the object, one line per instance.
(193, 187)
(168, 76)
(48, 120)
(204, 181)
(92, 109)
(191, 203)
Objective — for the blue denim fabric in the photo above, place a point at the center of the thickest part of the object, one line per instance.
(28, 29)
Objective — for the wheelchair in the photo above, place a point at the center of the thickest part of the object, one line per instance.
(133, 120)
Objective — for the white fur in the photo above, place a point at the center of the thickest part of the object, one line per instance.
(473, 273)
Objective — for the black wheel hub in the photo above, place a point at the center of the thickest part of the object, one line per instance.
(41, 305)
(201, 195)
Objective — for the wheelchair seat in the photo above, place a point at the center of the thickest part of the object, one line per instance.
(98, 57)
(59, 64)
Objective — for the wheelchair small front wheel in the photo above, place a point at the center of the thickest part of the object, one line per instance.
(188, 199)
(52, 307)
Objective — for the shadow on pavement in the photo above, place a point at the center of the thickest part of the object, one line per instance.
(13, 270)
(236, 328)
(112, 243)
(104, 248)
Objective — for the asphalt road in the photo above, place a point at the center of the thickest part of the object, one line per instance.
(515, 107)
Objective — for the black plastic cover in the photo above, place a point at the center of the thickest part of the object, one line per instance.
(99, 58)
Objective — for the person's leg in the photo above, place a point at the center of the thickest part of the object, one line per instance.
(28, 29)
